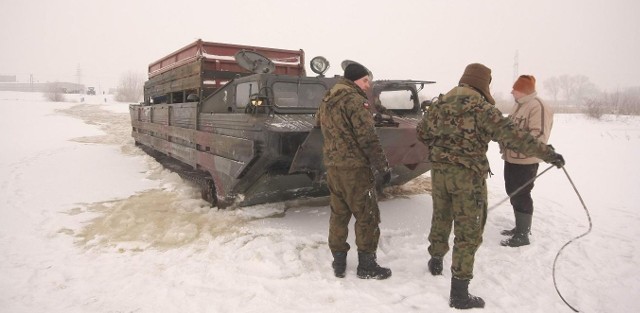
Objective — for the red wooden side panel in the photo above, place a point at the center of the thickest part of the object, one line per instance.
(288, 62)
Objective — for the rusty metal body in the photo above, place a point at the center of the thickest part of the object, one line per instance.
(243, 154)
(202, 67)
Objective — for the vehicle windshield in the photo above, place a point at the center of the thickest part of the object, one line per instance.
(244, 92)
(298, 94)
(397, 99)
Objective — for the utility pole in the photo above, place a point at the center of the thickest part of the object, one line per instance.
(515, 67)
(79, 79)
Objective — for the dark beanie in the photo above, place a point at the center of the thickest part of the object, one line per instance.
(525, 84)
(478, 76)
(355, 71)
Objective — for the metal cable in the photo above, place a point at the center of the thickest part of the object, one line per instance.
(518, 190)
(570, 241)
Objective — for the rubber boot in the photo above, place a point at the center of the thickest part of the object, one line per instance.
(339, 263)
(508, 232)
(369, 268)
(521, 236)
(435, 266)
(460, 298)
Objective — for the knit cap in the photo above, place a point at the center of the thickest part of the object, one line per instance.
(355, 71)
(525, 84)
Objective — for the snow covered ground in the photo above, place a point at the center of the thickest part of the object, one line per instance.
(89, 223)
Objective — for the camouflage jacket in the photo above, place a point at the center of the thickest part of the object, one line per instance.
(458, 128)
(350, 139)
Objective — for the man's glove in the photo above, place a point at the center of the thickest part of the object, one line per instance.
(382, 177)
(386, 176)
(553, 157)
(557, 160)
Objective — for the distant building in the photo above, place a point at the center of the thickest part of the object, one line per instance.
(8, 79)
(65, 87)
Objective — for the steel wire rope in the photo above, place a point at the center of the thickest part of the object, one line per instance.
(555, 260)
(518, 190)
(570, 241)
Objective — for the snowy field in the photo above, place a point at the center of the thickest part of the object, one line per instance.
(89, 223)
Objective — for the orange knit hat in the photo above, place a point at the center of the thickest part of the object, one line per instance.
(525, 84)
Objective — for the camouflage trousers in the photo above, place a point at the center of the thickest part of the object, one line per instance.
(353, 192)
(459, 198)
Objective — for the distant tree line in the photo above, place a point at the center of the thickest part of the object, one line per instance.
(578, 93)
(572, 88)
(570, 93)
(620, 102)
(130, 88)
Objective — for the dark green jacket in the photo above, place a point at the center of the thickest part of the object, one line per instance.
(350, 139)
(458, 128)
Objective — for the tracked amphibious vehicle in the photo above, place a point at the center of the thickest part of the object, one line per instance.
(239, 121)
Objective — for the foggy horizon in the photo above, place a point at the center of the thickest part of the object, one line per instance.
(97, 43)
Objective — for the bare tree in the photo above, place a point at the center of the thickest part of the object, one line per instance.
(55, 92)
(629, 102)
(597, 106)
(574, 88)
(130, 88)
(566, 85)
(582, 87)
(552, 85)
(625, 102)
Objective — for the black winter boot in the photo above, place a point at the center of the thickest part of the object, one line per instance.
(369, 268)
(339, 263)
(508, 232)
(521, 235)
(435, 266)
(460, 298)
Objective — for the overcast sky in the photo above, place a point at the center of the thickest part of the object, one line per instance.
(421, 39)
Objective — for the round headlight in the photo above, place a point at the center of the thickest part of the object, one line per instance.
(319, 65)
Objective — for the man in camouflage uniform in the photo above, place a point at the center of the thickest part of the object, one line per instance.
(354, 159)
(457, 129)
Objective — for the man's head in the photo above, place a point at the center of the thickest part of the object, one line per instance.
(524, 86)
(478, 76)
(359, 74)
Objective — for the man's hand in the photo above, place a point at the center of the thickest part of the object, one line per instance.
(553, 157)
(386, 176)
(382, 177)
(557, 160)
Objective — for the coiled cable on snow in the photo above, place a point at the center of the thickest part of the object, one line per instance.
(570, 241)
